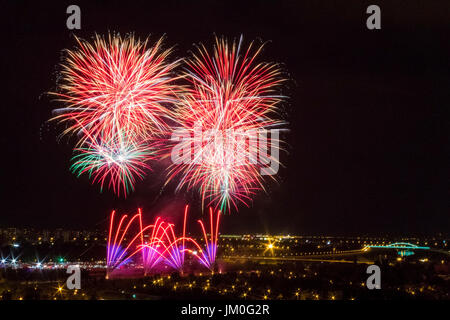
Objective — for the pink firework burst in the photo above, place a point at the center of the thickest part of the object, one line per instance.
(116, 84)
(233, 101)
(116, 94)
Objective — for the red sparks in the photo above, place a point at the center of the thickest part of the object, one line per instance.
(231, 96)
(157, 244)
(116, 93)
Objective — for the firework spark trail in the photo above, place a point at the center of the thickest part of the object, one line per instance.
(163, 246)
(116, 93)
(228, 93)
(152, 254)
(115, 249)
(207, 256)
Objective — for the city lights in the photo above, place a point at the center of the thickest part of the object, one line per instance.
(258, 280)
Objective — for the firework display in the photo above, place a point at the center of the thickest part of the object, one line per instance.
(122, 101)
(116, 92)
(232, 101)
(156, 245)
(214, 159)
(120, 94)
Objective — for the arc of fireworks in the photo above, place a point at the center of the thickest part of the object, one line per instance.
(116, 254)
(211, 243)
(163, 245)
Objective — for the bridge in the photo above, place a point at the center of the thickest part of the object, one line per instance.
(399, 245)
(343, 256)
(406, 249)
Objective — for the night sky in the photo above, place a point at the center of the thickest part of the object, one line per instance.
(368, 140)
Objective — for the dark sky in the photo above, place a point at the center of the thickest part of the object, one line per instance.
(368, 141)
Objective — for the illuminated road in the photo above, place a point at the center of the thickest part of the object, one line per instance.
(322, 257)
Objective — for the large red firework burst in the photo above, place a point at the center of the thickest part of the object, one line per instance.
(228, 93)
(116, 84)
(116, 94)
